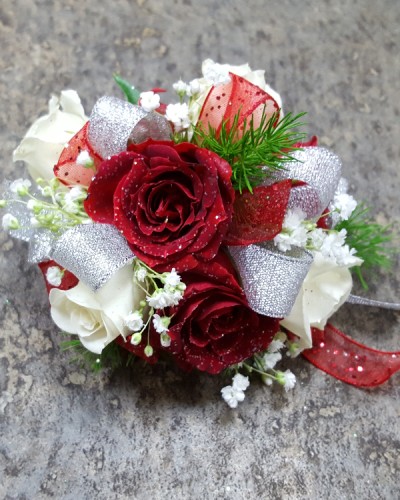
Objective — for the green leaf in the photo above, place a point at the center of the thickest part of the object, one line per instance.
(132, 95)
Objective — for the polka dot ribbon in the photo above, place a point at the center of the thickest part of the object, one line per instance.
(349, 361)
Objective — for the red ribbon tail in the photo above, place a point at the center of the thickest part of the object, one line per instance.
(348, 360)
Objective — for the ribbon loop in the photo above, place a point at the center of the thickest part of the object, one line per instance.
(271, 279)
(92, 252)
(320, 169)
(113, 122)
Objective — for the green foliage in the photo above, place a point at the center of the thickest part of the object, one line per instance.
(247, 148)
(370, 239)
(110, 357)
(132, 95)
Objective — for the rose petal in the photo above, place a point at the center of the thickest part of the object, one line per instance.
(213, 327)
(100, 202)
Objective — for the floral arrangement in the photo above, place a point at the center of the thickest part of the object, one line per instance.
(206, 231)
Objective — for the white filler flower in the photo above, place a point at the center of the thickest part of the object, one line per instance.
(9, 222)
(234, 394)
(134, 321)
(287, 379)
(54, 275)
(178, 114)
(149, 101)
(20, 187)
(293, 233)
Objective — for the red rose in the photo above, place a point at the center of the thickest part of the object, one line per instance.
(173, 203)
(213, 326)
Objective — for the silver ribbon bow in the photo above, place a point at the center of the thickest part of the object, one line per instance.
(114, 122)
(271, 279)
(92, 252)
(320, 169)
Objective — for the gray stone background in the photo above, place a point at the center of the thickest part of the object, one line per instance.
(154, 433)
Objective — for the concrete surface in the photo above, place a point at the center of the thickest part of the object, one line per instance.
(152, 433)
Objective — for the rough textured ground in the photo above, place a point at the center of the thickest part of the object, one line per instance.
(152, 433)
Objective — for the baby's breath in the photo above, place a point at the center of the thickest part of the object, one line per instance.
(263, 364)
(162, 290)
(51, 206)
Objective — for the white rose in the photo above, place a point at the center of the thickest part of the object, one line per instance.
(97, 317)
(325, 288)
(43, 143)
(215, 73)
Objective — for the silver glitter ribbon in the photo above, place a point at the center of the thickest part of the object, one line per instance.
(113, 122)
(41, 246)
(92, 252)
(355, 299)
(271, 279)
(320, 169)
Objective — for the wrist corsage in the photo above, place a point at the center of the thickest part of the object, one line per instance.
(208, 231)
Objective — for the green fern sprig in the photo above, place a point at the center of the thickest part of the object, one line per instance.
(110, 357)
(247, 148)
(371, 240)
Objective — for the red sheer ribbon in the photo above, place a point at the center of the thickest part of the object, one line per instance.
(236, 97)
(68, 170)
(308, 144)
(348, 360)
(68, 280)
(258, 216)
